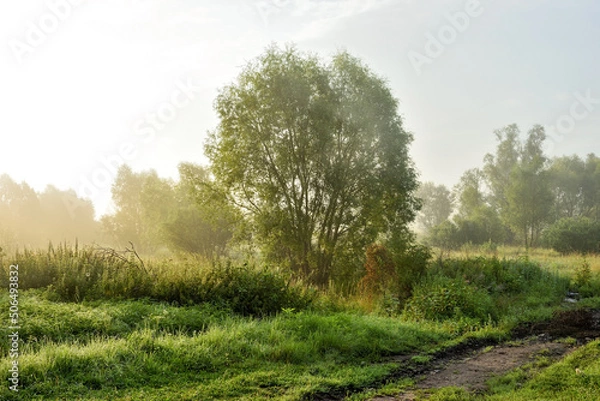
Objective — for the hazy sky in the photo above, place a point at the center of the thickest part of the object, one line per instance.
(85, 85)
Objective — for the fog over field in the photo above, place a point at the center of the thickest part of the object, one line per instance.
(86, 86)
(299, 200)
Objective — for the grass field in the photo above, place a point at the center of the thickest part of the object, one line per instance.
(548, 258)
(187, 331)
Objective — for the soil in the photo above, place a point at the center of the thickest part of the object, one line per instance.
(471, 372)
(471, 365)
(472, 369)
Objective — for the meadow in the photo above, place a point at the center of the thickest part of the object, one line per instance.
(101, 325)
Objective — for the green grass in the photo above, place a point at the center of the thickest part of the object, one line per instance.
(96, 327)
(548, 258)
(576, 377)
(136, 348)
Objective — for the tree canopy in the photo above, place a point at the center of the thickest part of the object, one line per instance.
(317, 157)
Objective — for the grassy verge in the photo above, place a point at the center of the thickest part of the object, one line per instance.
(150, 351)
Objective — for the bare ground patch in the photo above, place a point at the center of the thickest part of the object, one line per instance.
(470, 365)
(471, 370)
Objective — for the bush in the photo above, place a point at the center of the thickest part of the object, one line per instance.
(249, 291)
(411, 265)
(442, 298)
(391, 275)
(502, 277)
(380, 271)
(245, 290)
(475, 289)
(574, 235)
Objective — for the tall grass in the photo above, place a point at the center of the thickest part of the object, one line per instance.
(75, 274)
(100, 325)
(148, 350)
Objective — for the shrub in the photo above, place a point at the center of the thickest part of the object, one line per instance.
(477, 287)
(380, 271)
(391, 275)
(249, 291)
(411, 265)
(442, 298)
(574, 235)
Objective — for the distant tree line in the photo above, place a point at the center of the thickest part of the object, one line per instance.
(157, 214)
(520, 196)
(32, 219)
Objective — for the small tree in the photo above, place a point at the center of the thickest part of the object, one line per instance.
(528, 195)
(437, 205)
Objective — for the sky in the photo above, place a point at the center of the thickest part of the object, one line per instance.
(87, 85)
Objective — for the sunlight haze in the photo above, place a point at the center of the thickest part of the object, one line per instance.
(79, 98)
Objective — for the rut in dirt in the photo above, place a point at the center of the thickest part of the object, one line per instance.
(471, 364)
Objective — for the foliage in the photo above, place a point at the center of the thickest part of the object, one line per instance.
(483, 226)
(520, 182)
(73, 274)
(203, 222)
(499, 166)
(576, 186)
(411, 262)
(243, 289)
(391, 274)
(469, 192)
(317, 157)
(380, 271)
(437, 205)
(153, 212)
(477, 289)
(574, 235)
(142, 201)
(443, 298)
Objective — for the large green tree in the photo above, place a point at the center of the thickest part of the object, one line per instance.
(316, 155)
(470, 192)
(155, 213)
(143, 202)
(591, 188)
